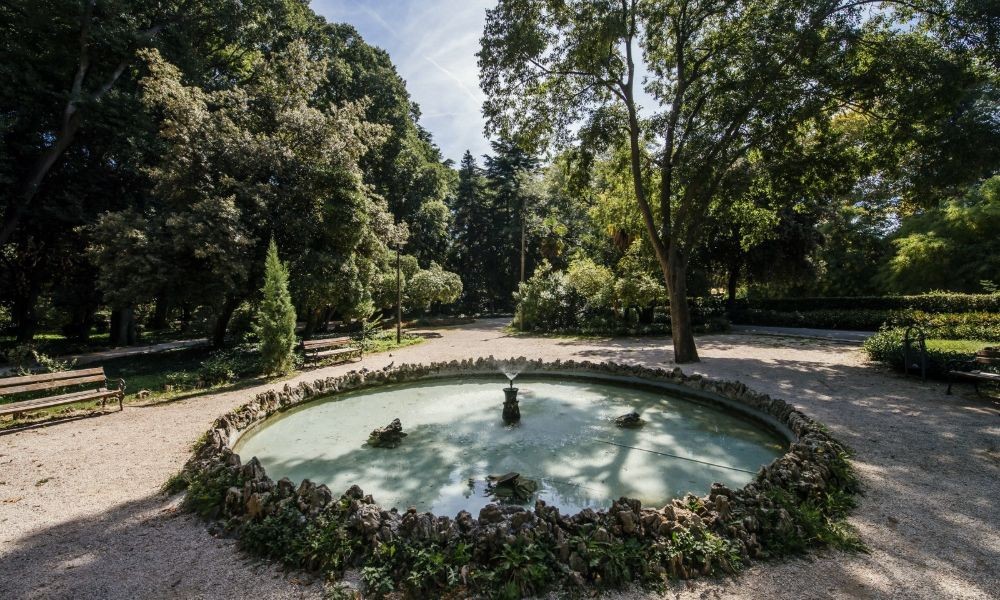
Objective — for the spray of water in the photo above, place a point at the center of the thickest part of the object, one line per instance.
(510, 371)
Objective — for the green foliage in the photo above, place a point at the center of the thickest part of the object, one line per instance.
(26, 359)
(547, 302)
(433, 285)
(595, 283)
(982, 326)
(522, 569)
(933, 302)
(279, 535)
(954, 246)
(942, 355)
(371, 328)
(206, 491)
(229, 365)
(614, 563)
(422, 569)
(817, 522)
(275, 325)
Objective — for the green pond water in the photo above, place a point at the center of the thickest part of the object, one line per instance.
(566, 441)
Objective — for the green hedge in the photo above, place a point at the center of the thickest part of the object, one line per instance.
(865, 320)
(942, 355)
(933, 302)
(982, 326)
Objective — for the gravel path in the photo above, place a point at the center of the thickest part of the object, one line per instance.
(81, 517)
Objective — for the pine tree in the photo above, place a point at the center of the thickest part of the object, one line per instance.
(276, 317)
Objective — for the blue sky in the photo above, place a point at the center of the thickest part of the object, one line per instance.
(433, 44)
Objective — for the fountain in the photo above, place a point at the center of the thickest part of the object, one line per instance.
(511, 410)
(574, 455)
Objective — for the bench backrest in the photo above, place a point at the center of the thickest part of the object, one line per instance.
(988, 356)
(48, 381)
(325, 343)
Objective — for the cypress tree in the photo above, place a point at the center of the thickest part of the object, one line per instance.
(276, 317)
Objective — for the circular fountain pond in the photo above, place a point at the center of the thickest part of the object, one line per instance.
(567, 442)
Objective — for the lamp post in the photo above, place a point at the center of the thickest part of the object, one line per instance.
(399, 299)
(399, 240)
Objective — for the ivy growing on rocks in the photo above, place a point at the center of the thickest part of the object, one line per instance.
(796, 503)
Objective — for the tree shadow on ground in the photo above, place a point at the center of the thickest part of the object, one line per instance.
(145, 548)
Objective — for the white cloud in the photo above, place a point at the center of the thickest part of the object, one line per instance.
(433, 45)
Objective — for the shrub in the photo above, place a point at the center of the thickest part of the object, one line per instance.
(431, 285)
(226, 366)
(547, 302)
(942, 355)
(984, 326)
(276, 317)
(596, 283)
(26, 360)
(934, 302)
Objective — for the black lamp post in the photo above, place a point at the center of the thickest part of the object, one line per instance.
(399, 299)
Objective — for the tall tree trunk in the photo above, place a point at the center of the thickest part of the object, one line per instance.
(222, 323)
(731, 284)
(680, 313)
(159, 320)
(123, 331)
(24, 315)
(185, 317)
(312, 321)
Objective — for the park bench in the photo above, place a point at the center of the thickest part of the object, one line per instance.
(52, 389)
(338, 349)
(988, 357)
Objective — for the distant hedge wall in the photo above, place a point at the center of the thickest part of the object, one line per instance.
(984, 326)
(932, 303)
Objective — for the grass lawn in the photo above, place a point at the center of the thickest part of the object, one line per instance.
(958, 346)
(159, 373)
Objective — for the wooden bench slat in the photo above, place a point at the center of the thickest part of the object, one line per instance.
(52, 384)
(67, 397)
(27, 405)
(325, 343)
(336, 352)
(40, 377)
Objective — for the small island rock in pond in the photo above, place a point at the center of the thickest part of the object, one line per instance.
(511, 487)
(630, 420)
(389, 436)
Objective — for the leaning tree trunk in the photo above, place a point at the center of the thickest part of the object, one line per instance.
(680, 313)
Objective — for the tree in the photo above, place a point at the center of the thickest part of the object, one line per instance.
(726, 79)
(275, 325)
(952, 247)
(473, 234)
(405, 168)
(74, 138)
(241, 165)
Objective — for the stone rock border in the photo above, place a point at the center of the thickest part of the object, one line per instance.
(745, 520)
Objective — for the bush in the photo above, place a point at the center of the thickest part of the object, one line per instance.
(983, 326)
(869, 320)
(934, 302)
(942, 355)
(547, 302)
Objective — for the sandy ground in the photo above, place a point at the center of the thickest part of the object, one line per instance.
(81, 516)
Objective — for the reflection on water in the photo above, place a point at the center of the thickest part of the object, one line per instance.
(566, 441)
